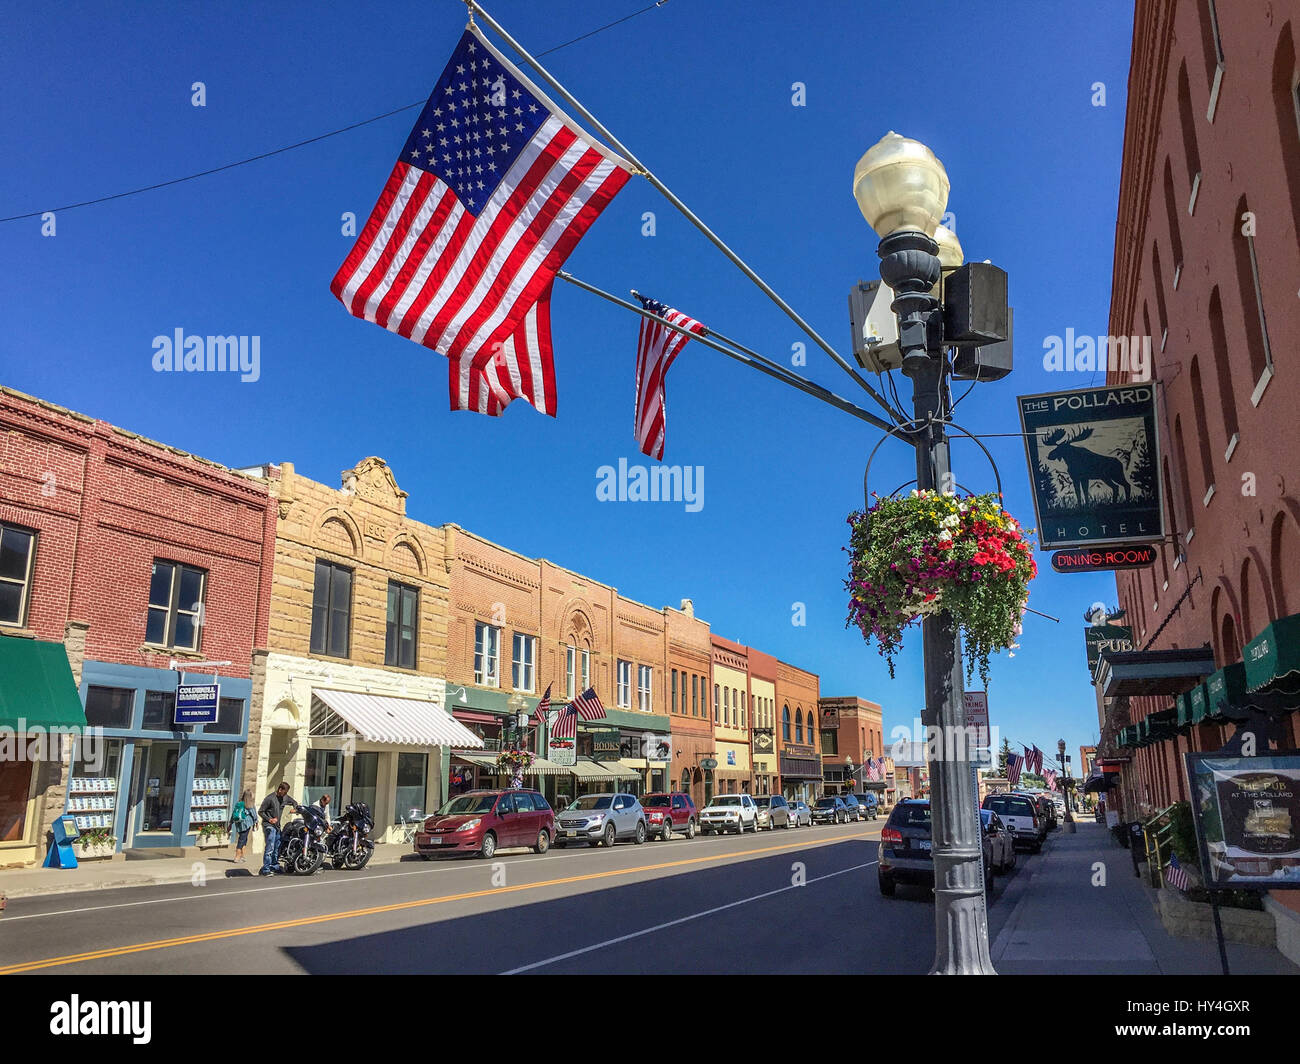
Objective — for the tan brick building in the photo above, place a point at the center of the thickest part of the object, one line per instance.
(349, 695)
(519, 625)
(797, 691)
(763, 671)
(731, 718)
(690, 671)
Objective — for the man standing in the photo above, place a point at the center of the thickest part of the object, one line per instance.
(270, 811)
(322, 806)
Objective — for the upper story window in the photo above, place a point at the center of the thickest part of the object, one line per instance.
(798, 725)
(175, 605)
(331, 610)
(522, 672)
(785, 723)
(644, 675)
(695, 695)
(400, 648)
(487, 655)
(575, 660)
(674, 694)
(624, 685)
(17, 553)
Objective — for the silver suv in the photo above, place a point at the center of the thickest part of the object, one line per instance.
(597, 818)
(729, 812)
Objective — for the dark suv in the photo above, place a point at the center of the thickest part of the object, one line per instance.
(857, 811)
(905, 848)
(669, 814)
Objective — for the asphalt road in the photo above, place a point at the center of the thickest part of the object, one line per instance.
(800, 901)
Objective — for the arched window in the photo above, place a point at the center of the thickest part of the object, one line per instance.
(1158, 276)
(1180, 454)
(1252, 300)
(1171, 213)
(1223, 368)
(785, 723)
(798, 725)
(1187, 119)
(1286, 107)
(1202, 429)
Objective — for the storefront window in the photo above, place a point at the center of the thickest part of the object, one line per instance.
(160, 786)
(324, 776)
(230, 717)
(365, 779)
(211, 800)
(159, 711)
(15, 787)
(93, 783)
(412, 776)
(109, 707)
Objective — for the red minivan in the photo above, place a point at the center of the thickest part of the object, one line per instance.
(482, 822)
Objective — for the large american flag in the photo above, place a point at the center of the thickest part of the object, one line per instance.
(1014, 763)
(1033, 759)
(494, 188)
(1050, 777)
(656, 348)
(587, 706)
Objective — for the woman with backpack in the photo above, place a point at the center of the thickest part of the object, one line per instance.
(242, 821)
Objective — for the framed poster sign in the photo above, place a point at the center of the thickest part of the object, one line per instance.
(1247, 815)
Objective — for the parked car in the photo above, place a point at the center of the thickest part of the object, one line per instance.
(601, 818)
(905, 849)
(1046, 810)
(1001, 850)
(670, 814)
(830, 810)
(482, 822)
(1020, 814)
(800, 814)
(773, 811)
(870, 805)
(729, 812)
(855, 808)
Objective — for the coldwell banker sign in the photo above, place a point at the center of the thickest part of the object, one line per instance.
(1093, 462)
(197, 703)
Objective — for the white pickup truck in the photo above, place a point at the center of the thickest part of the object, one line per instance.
(729, 812)
(1020, 814)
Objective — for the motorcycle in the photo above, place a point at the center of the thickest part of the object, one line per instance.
(302, 849)
(348, 844)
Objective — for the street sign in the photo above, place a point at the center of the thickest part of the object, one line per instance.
(1094, 464)
(977, 724)
(197, 703)
(1093, 559)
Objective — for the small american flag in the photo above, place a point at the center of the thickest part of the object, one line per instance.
(656, 348)
(1174, 874)
(544, 706)
(1050, 777)
(494, 188)
(1033, 759)
(1014, 764)
(587, 706)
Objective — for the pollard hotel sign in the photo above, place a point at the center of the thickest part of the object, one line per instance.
(1094, 464)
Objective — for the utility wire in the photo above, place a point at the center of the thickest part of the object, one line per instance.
(297, 144)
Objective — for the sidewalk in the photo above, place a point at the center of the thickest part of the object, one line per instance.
(1061, 923)
(109, 875)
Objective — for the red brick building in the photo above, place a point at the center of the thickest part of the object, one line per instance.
(797, 723)
(1207, 263)
(852, 730)
(132, 554)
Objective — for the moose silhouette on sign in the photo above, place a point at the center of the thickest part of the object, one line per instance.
(1085, 466)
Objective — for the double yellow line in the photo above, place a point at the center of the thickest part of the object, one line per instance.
(350, 914)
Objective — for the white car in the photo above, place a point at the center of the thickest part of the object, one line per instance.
(729, 812)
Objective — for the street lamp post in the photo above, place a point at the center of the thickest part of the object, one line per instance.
(902, 191)
(1065, 784)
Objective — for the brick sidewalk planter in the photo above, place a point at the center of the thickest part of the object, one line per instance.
(1195, 919)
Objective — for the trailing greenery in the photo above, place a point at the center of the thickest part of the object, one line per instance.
(929, 551)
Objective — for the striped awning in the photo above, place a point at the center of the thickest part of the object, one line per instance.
(398, 721)
(590, 770)
(539, 767)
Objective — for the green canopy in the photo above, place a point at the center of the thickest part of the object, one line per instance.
(1225, 694)
(1272, 658)
(36, 686)
(1186, 714)
(1162, 725)
(1200, 705)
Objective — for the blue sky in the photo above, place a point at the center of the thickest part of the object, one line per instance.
(702, 93)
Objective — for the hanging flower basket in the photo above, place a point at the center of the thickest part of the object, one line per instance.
(928, 551)
(514, 761)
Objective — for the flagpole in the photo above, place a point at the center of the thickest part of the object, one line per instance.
(749, 358)
(690, 215)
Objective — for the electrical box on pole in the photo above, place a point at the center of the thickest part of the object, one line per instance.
(875, 328)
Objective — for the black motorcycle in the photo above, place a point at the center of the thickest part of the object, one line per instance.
(302, 847)
(348, 844)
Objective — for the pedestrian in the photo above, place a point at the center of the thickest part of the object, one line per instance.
(322, 806)
(270, 811)
(242, 821)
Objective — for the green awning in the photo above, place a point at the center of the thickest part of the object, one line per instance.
(1225, 694)
(1272, 658)
(1200, 705)
(36, 686)
(1162, 725)
(1186, 715)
